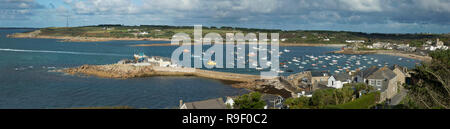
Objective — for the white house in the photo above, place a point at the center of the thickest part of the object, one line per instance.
(355, 41)
(337, 81)
(143, 33)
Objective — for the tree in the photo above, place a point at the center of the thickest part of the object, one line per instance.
(250, 101)
(323, 97)
(431, 87)
(298, 103)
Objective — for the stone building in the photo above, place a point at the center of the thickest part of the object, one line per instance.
(386, 81)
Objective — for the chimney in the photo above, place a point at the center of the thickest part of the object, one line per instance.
(181, 103)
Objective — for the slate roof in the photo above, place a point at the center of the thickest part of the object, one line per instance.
(217, 103)
(367, 72)
(342, 77)
(383, 73)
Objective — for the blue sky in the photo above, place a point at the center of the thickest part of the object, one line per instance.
(385, 16)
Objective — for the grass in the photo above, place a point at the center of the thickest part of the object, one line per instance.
(364, 102)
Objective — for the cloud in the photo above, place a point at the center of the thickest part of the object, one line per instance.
(102, 7)
(355, 15)
(18, 9)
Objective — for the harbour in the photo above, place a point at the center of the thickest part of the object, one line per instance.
(41, 87)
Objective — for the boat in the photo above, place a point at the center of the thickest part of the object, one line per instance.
(259, 68)
(140, 56)
(286, 50)
(212, 63)
(304, 63)
(324, 66)
(301, 67)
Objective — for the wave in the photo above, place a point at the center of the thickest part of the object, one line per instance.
(61, 52)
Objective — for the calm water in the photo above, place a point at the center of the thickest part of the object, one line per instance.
(33, 86)
(26, 80)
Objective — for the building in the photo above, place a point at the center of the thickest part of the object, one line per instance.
(319, 76)
(378, 45)
(205, 104)
(161, 61)
(272, 101)
(385, 81)
(338, 80)
(355, 41)
(361, 76)
(439, 43)
(230, 102)
(143, 33)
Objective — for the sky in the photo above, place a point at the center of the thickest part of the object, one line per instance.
(371, 16)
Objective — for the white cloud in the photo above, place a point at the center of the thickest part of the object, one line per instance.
(362, 5)
(434, 5)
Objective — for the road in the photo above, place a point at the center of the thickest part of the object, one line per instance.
(398, 98)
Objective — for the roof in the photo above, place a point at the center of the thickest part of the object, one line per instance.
(367, 72)
(401, 68)
(207, 104)
(383, 73)
(342, 77)
(319, 73)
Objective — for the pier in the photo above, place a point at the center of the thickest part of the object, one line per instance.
(130, 71)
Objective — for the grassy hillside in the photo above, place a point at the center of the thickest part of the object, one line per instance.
(299, 36)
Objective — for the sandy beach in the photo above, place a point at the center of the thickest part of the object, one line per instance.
(387, 52)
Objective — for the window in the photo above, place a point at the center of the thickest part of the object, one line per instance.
(378, 82)
(372, 82)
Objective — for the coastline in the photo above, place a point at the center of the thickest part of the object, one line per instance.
(281, 44)
(386, 52)
(36, 35)
(271, 85)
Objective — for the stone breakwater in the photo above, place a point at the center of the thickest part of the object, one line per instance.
(124, 71)
(130, 71)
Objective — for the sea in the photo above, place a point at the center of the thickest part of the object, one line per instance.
(28, 79)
